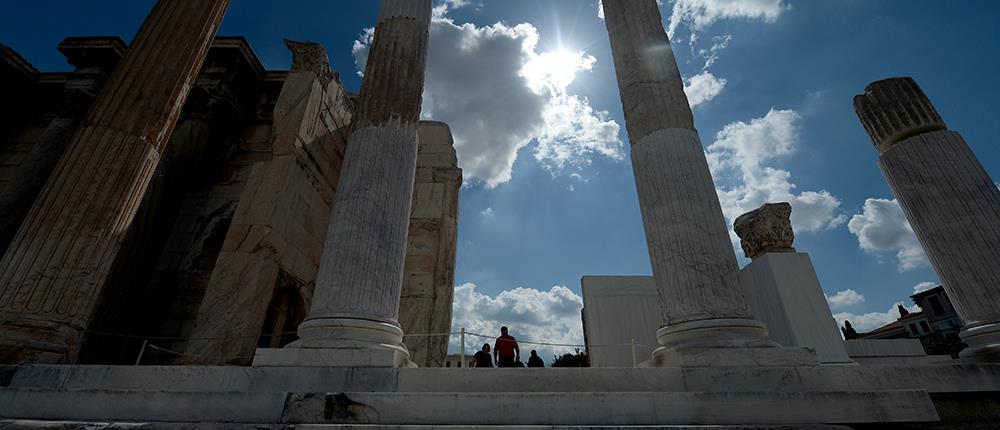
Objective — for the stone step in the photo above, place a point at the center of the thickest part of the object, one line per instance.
(71, 425)
(498, 409)
(948, 379)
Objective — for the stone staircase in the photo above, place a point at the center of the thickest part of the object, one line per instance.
(346, 398)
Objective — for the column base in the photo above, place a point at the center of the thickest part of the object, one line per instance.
(28, 340)
(724, 342)
(715, 333)
(340, 342)
(983, 342)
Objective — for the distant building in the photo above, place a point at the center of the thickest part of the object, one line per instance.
(936, 325)
(455, 360)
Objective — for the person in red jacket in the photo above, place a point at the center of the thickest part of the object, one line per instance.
(505, 350)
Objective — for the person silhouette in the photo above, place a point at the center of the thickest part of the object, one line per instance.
(535, 360)
(506, 353)
(482, 358)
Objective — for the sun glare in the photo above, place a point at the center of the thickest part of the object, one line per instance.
(556, 70)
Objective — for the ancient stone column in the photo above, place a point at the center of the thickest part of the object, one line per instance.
(352, 320)
(93, 60)
(692, 257)
(949, 199)
(55, 268)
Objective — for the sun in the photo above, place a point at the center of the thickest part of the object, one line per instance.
(555, 70)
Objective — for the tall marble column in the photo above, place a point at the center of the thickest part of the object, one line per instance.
(93, 60)
(352, 320)
(57, 264)
(950, 200)
(693, 262)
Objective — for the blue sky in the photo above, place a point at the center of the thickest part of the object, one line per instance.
(534, 104)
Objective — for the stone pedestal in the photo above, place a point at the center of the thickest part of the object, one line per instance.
(55, 268)
(692, 258)
(352, 320)
(782, 286)
(787, 296)
(950, 200)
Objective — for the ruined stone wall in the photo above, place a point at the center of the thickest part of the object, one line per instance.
(227, 241)
(268, 264)
(429, 274)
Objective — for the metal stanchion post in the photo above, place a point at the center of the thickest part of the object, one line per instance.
(141, 351)
(462, 363)
(634, 364)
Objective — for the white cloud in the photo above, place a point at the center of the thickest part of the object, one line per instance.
(711, 55)
(882, 228)
(843, 299)
(442, 9)
(873, 320)
(532, 315)
(742, 154)
(488, 212)
(499, 94)
(703, 87)
(697, 15)
(924, 286)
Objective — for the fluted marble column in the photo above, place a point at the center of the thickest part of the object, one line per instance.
(949, 199)
(692, 257)
(93, 60)
(52, 274)
(352, 320)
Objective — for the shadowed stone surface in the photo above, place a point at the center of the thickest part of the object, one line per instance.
(52, 273)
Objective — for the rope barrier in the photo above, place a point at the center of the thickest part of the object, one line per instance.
(468, 333)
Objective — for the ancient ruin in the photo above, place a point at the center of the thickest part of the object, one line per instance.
(191, 240)
(951, 202)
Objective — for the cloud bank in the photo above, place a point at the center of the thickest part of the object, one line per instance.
(743, 156)
(882, 228)
(499, 94)
(697, 15)
(872, 320)
(843, 299)
(551, 316)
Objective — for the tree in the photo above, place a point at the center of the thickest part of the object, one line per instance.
(579, 359)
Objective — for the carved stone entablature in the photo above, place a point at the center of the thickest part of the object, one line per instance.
(14, 66)
(229, 83)
(93, 52)
(311, 57)
(767, 229)
(94, 58)
(896, 109)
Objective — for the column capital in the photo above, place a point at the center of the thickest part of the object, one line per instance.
(894, 109)
(766, 229)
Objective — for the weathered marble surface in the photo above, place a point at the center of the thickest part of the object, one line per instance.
(949, 199)
(953, 206)
(692, 257)
(429, 273)
(786, 294)
(83, 212)
(689, 249)
(894, 109)
(616, 311)
(279, 224)
(355, 304)
(767, 229)
(652, 91)
(703, 395)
